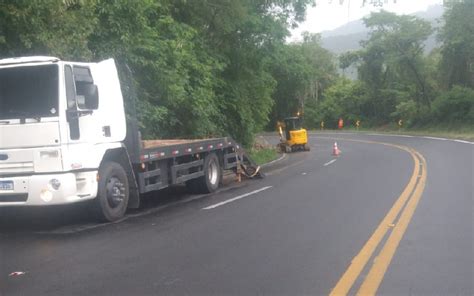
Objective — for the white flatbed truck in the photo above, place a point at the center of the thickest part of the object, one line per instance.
(64, 138)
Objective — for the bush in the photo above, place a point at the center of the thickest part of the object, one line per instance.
(344, 99)
(407, 111)
(454, 106)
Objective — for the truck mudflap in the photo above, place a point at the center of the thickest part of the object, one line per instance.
(247, 166)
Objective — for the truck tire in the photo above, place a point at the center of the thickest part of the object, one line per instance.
(193, 186)
(211, 179)
(113, 192)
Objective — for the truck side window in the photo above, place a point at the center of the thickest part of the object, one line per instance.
(74, 131)
(83, 80)
(70, 89)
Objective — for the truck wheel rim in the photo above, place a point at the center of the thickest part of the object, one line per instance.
(213, 172)
(115, 192)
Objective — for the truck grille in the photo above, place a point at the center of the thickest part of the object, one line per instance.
(14, 197)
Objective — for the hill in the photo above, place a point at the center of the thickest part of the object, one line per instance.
(348, 37)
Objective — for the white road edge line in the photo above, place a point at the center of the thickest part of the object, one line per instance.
(236, 198)
(423, 137)
(462, 141)
(390, 135)
(330, 162)
(273, 161)
(435, 138)
(328, 133)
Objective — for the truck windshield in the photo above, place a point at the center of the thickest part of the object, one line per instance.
(29, 92)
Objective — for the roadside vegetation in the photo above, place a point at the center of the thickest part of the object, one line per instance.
(263, 155)
(262, 151)
(200, 68)
(398, 80)
(206, 68)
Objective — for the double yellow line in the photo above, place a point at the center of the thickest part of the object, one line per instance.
(403, 209)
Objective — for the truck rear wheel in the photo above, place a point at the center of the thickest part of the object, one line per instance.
(211, 179)
(113, 192)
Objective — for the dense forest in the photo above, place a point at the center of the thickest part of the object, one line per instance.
(204, 68)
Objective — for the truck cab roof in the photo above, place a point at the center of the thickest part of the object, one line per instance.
(31, 59)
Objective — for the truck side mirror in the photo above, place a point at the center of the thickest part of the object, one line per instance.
(91, 97)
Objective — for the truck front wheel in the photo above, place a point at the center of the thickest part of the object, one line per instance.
(113, 192)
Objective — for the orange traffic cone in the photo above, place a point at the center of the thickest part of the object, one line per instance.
(335, 150)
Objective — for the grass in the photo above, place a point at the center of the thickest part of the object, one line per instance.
(263, 155)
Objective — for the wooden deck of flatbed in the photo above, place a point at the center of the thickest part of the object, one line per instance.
(149, 144)
(167, 148)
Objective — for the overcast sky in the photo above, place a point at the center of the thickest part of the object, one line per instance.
(330, 14)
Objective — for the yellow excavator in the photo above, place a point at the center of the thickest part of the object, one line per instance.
(293, 137)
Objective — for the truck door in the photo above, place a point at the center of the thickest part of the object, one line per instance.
(82, 103)
(95, 112)
(112, 121)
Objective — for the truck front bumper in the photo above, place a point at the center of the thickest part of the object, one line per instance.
(47, 189)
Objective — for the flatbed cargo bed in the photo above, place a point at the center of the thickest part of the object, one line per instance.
(169, 148)
(167, 162)
(148, 144)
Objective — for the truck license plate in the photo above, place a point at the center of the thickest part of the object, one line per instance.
(6, 185)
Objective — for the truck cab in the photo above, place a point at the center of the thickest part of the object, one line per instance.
(54, 130)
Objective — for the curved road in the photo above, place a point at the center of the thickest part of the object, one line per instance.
(392, 215)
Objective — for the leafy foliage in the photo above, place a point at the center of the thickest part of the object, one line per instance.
(344, 99)
(200, 68)
(398, 81)
(394, 76)
(303, 72)
(206, 68)
(455, 106)
(457, 50)
(50, 27)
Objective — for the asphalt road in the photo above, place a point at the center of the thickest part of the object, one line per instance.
(391, 216)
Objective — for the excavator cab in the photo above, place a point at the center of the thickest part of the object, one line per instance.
(296, 137)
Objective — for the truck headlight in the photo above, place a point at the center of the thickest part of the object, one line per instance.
(46, 195)
(54, 184)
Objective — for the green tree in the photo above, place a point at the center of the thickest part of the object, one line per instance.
(347, 59)
(343, 99)
(302, 71)
(293, 76)
(455, 106)
(242, 35)
(50, 27)
(200, 68)
(174, 74)
(392, 63)
(457, 50)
